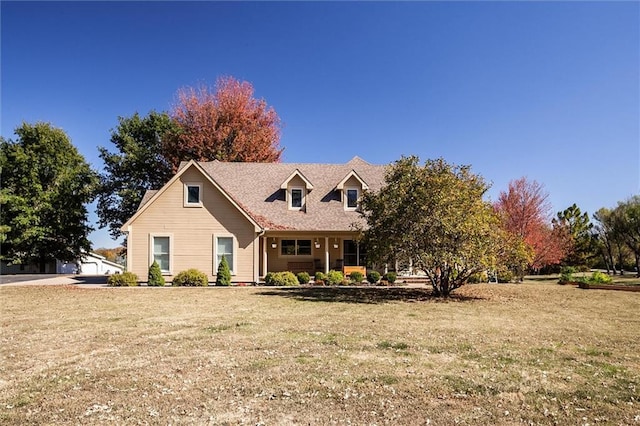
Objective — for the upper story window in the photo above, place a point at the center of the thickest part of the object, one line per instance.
(193, 194)
(296, 198)
(352, 197)
(351, 187)
(296, 186)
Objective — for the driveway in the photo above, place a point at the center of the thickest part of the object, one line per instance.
(53, 279)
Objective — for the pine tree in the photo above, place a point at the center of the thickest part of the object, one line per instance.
(155, 275)
(224, 274)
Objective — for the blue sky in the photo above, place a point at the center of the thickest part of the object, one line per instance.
(547, 90)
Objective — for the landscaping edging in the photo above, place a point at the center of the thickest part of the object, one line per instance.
(587, 286)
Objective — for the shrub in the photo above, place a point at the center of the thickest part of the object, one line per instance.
(566, 274)
(191, 277)
(391, 277)
(373, 277)
(335, 277)
(303, 277)
(268, 279)
(126, 279)
(223, 278)
(478, 277)
(505, 276)
(281, 279)
(600, 278)
(155, 278)
(356, 277)
(320, 277)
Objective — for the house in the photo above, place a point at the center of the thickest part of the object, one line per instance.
(263, 217)
(94, 264)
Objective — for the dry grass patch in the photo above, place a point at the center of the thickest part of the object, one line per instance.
(532, 353)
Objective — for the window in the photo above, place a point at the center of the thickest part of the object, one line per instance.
(225, 246)
(354, 254)
(352, 198)
(193, 195)
(295, 247)
(161, 252)
(296, 198)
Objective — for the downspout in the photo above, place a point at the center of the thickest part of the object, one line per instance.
(256, 263)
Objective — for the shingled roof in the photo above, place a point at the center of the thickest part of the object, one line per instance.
(255, 187)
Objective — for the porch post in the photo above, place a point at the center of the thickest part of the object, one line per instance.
(264, 256)
(326, 255)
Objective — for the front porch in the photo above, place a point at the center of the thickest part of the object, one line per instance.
(309, 253)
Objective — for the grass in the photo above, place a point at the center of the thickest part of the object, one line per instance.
(531, 353)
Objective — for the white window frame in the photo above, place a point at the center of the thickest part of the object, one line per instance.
(302, 190)
(233, 266)
(151, 252)
(295, 255)
(346, 198)
(186, 194)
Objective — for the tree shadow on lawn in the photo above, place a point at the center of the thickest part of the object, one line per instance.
(371, 295)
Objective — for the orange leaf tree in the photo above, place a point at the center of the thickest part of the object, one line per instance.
(525, 213)
(226, 125)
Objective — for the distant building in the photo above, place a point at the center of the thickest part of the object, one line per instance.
(89, 264)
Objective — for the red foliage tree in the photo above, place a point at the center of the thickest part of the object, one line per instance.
(226, 125)
(525, 211)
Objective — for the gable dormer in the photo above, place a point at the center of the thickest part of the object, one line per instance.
(351, 187)
(296, 186)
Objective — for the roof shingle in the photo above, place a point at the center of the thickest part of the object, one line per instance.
(256, 188)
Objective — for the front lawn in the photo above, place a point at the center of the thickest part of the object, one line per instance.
(531, 353)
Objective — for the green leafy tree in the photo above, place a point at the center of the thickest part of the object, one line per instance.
(626, 226)
(435, 215)
(223, 277)
(605, 237)
(578, 228)
(155, 275)
(137, 166)
(46, 184)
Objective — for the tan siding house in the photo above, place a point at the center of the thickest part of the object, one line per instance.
(263, 217)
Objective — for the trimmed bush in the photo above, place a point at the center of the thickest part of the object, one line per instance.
(191, 278)
(223, 278)
(356, 277)
(125, 279)
(373, 277)
(505, 276)
(320, 277)
(281, 279)
(478, 277)
(268, 279)
(595, 278)
(391, 277)
(155, 278)
(334, 277)
(303, 277)
(600, 278)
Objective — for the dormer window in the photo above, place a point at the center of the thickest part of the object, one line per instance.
(193, 194)
(296, 186)
(352, 197)
(351, 187)
(296, 198)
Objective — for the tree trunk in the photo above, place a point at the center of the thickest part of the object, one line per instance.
(620, 260)
(637, 265)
